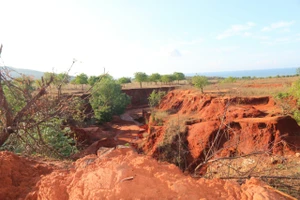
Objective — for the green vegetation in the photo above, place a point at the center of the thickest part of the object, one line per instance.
(155, 97)
(140, 77)
(50, 140)
(81, 79)
(156, 77)
(107, 99)
(200, 82)
(178, 76)
(93, 79)
(124, 80)
(30, 121)
(294, 92)
(57, 79)
(229, 79)
(282, 95)
(174, 146)
(167, 78)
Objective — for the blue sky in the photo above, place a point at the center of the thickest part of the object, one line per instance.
(164, 36)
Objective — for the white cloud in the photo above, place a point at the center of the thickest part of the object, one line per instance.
(279, 25)
(235, 30)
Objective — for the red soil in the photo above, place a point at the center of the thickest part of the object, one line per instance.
(18, 176)
(117, 132)
(243, 125)
(123, 174)
(246, 125)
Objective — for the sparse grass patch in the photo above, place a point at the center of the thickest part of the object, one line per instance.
(250, 87)
(158, 117)
(174, 146)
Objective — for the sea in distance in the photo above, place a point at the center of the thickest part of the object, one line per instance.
(252, 73)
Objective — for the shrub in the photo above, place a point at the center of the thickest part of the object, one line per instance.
(107, 99)
(229, 79)
(48, 140)
(296, 116)
(295, 90)
(158, 117)
(282, 95)
(155, 98)
(174, 146)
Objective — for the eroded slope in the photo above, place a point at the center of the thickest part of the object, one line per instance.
(124, 174)
(201, 127)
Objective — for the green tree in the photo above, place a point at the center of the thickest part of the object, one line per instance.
(140, 77)
(167, 78)
(47, 76)
(200, 82)
(124, 80)
(81, 79)
(107, 99)
(58, 80)
(155, 77)
(92, 80)
(179, 76)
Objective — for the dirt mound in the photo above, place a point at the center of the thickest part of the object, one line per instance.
(111, 134)
(123, 174)
(18, 176)
(209, 126)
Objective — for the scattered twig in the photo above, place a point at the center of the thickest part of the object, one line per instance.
(127, 179)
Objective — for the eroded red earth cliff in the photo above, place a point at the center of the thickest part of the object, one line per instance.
(242, 125)
(223, 126)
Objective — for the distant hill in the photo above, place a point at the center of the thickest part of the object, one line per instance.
(16, 72)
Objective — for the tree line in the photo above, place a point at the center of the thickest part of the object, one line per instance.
(140, 77)
(156, 77)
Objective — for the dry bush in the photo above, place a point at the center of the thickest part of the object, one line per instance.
(281, 172)
(31, 120)
(158, 117)
(174, 146)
